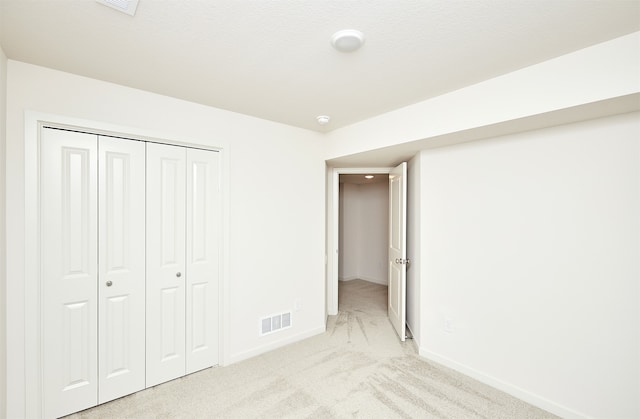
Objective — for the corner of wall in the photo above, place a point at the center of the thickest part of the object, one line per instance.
(413, 248)
(509, 388)
(3, 317)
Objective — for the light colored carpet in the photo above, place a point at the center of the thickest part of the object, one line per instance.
(358, 368)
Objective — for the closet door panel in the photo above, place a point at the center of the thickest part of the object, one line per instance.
(203, 214)
(121, 283)
(69, 270)
(165, 263)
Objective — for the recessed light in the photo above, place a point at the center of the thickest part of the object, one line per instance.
(323, 119)
(368, 177)
(347, 40)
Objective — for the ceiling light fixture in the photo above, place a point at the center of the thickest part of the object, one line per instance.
(323, 119)
(347, 40)
(368, 177)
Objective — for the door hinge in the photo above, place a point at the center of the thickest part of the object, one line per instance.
(403, 261)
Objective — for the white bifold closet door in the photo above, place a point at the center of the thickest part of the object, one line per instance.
(182, 261)
(92, 214)
(121, 261)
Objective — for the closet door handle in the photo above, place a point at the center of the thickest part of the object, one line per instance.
(178, 274)
(109, 283)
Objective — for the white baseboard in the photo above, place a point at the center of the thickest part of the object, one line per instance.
(515, 391)
(241, 356)
(375, 280)
(365, 278)
(413, 339)
(413, 336)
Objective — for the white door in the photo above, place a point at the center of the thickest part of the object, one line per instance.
(69, 270)
(165, 263)
(121, 280)
(203, 213)
(398, 248)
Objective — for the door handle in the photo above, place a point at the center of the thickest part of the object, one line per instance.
(109, 283)
(178, 274)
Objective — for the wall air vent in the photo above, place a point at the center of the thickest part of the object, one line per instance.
(275, 323)
(125, 6)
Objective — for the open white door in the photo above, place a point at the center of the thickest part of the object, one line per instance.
(398, 248)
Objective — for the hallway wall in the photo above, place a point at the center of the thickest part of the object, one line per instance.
(3, 282)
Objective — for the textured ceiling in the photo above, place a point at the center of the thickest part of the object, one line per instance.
(273, 59)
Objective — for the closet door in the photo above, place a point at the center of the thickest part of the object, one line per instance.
(165, 263)
(69, 270)
(203, 215)
(121, 282)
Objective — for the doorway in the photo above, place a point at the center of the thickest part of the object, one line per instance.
(363, 227)
(349, 216)
(363, 236)
(395, 256)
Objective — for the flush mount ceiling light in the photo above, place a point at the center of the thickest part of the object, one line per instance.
(125, 6)
(347, 40)
(323, 119)
(368, 177)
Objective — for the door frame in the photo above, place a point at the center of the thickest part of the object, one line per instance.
(31, 309)
(333, 226)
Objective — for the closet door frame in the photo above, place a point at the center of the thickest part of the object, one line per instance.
(29, 315)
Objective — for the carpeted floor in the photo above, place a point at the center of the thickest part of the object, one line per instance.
(358, 368)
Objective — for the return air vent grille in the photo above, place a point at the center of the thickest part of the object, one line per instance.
(275, 323)
(126, 6)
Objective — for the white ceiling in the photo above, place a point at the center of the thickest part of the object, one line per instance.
(273, 59)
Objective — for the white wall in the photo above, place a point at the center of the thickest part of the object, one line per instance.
(363, 232)
(274, 241)
(374, 247)
(414, 232)
(349, 232)
(3, 318)
(531, 255)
